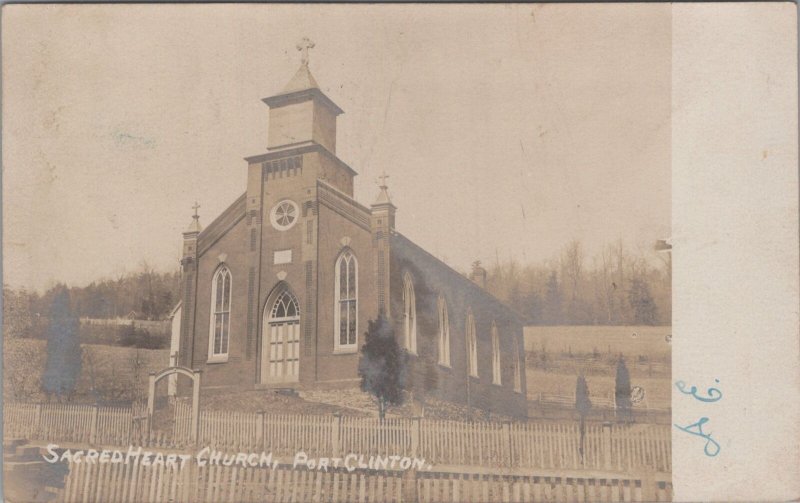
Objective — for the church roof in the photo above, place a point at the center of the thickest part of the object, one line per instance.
(222, 224)
(301, 81)
(404, 248)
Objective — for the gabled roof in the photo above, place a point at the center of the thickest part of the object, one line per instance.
(222, 224)
(466, 283)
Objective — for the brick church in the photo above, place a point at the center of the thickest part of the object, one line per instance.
(277, 291)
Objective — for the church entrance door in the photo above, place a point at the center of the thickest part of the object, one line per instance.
(280, 341)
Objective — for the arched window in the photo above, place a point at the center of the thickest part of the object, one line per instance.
(409, 314)
(346, 303)
(517, 367)
(219, 333)
(285, 307)
(472, 345)
(497, 374)
(444, 333)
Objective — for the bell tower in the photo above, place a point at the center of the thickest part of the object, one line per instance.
(301, 114)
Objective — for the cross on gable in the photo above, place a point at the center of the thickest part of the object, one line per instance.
(195, 208)
(303, 46)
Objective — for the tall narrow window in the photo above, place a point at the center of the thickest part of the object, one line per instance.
(517, 368)
(444, 333)
(409, 314)
(219, 333)
(472, 345)
(497, 377)
(346, 314)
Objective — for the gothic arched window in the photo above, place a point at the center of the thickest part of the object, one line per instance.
(472, 345)
(346, 301)
(444, 333)
(285, 306)
(219, 333)
(409, 314)
(497, 374)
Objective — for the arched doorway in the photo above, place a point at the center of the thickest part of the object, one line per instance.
(280, 340)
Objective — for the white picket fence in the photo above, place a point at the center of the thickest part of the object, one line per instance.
(548, 445)
(530, 445)
(135, 483)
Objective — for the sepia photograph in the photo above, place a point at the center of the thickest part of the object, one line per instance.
(339, 253)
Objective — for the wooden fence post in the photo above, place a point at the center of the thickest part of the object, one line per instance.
(151, 403)
(509, 445)
(336, 427)
(37, 424)
(607, 445)
(260, 429)
(409, 486)
(415, 435)
(648, 487)
(196, 406)
(93, 430)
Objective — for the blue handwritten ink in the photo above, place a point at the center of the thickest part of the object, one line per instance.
(693, 391)
(699, 432)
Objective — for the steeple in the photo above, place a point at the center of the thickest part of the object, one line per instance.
(190, 240)
(303, 79)
(382, 227)
(382, 209)
(194, 227)
(301, 114)
(383, 198)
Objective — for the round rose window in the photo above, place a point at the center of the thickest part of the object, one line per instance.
(284, 215)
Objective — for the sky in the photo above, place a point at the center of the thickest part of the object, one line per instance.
(506, 130)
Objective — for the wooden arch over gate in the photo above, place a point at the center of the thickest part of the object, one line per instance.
(194, 375)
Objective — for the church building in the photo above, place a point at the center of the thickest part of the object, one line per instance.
(278, 290)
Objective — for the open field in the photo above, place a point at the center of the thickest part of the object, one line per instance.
(557, 355)
(108, 373)
(631, 341)
(657, 390)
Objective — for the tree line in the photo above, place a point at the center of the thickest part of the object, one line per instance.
(149, 294)
(615, 287)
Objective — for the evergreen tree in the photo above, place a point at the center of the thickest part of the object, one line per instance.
(622, 391)
(552, 301)
(382, 366)
(532, 307)
(642, 303)
(17, 319)
(63, 365)
(583, 405)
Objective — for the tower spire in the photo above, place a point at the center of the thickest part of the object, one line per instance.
(195, 226)
(383, 197)
(303, 79)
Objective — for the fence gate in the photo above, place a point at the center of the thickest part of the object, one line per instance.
(194, 375)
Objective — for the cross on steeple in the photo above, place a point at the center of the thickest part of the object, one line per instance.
(303, 46)
(383, 178)
(195, 208)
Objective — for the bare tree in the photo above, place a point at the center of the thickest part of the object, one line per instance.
(572, 278)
